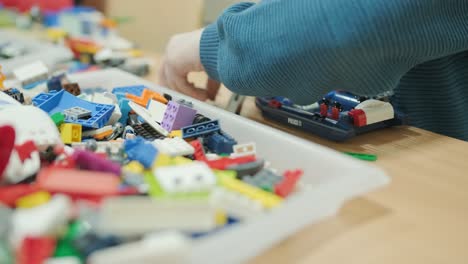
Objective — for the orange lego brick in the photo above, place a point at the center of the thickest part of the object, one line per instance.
(145, 97)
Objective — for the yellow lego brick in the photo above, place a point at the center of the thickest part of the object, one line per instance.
(175, 133)
(70, 133)
(56, 34)
(134, 167)
(33, 199)
(268, 200)
(162, 160)
(179, 160)
(135, 53)
(225, 173)
(221, 218)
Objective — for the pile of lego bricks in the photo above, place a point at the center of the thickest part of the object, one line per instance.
(128, 176)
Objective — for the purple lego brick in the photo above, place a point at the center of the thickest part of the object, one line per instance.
(91, 161)
(177, 116)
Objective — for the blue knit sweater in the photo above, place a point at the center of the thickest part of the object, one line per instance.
(302, 49)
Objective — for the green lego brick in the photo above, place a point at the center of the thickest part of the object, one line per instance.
(362, 156)
(65, 247)
(225, 173)
(156, 191)
(58, 118)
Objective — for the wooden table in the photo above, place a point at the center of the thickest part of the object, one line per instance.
(421, 217)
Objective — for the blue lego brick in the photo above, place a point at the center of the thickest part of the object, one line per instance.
(230, 221)
(200, 129)
(90, 242)
(55, 83)
(32, 85)
(58, 102)
(135, 90)
(220, 143)
(141, 150)
(346, 99)
(124, 109)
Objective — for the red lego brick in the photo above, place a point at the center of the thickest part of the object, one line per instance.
(359, 117)
(78, 183)
(324, 109)
(287, 185)
(223, 163)
(274, 104)
(199, 152)
(35, 250)
(9, 194)
(7, 143)
(335, 114)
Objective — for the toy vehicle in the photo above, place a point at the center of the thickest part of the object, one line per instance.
(339, 116)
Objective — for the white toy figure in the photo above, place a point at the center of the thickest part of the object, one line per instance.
(33, 131)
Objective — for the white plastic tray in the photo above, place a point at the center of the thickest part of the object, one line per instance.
(48, 53)
(333, 177)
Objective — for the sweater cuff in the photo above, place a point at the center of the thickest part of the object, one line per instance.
(209, 45)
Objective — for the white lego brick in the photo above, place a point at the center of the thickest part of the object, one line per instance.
(138, 215)
(247, 149)
(191, 177)
(31, 72)
(116, 115)
(143, 113)
(162, 247)
(174, 146)
(376, 111)
(156, 110)
(63, 260)
(31, 123)
(76, 113)
(102, 146)
(235, 204)
(45, 220)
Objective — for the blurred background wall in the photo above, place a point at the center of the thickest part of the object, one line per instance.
(153, 22)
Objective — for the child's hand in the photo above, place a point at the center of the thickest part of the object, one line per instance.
(182, 57)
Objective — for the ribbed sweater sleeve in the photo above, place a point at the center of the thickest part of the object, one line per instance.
(302, 49)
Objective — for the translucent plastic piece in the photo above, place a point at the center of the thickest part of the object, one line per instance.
(164, 247)
(133, 216)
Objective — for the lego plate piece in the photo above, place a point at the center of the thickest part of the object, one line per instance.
(246, 149)
(157, 110)
(61, 101)
(174, 146)
(31, 73)
(192, 177)
(143, 113)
